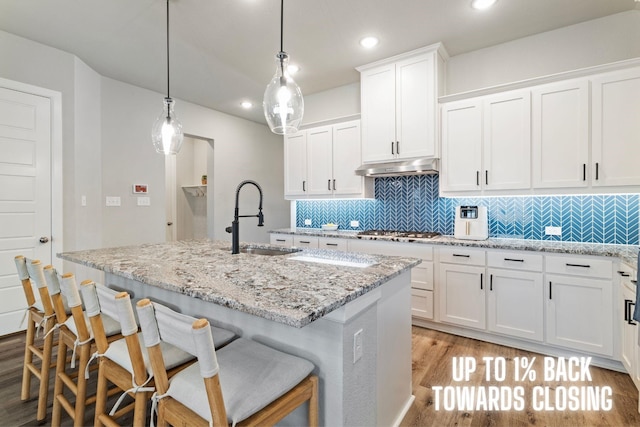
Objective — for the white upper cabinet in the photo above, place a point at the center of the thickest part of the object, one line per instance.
(295, 164)
(486, 143)
(560, 133)
(321, 162)
(615, 128)
(507, 141)
(399, 98)
(461, 146)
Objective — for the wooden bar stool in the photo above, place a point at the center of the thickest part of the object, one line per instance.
(74, 334)
(244, 383)
(39, 314)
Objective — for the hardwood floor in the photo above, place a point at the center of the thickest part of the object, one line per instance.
(433, 353)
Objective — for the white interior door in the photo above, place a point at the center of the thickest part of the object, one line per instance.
(25, 194)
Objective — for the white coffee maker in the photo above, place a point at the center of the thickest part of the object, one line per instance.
(471, 223)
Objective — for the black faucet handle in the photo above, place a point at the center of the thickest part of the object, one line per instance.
(260, 219)
(228, 229)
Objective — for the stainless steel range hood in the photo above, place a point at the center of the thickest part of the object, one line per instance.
(399, 168)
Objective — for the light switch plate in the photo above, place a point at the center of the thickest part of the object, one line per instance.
(354, 224)
(144, 201)
(307, 222)
(113, 201)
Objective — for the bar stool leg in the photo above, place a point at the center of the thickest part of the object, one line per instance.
(28, 359)
(44, 371)
(81, 396)
(58, 385)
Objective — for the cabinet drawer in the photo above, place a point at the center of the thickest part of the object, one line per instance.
(628, 277)
(422, 303)
(281, 239)
(422, 276)
(464, 256)
(335, 244)
(412, 250)
(305, 242)
(515, 260)
(579, 266)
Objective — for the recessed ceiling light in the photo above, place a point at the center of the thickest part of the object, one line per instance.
(292, 69)
(246, 104)
(482, 4)
(369, 42)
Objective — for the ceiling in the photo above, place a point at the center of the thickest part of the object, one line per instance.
(223, 51)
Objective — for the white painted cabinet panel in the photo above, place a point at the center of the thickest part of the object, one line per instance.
(579, 313)
(285, 240)
(615, 128)
(515, 304)
(305, 242)
(560, 134)
(461, 146)
(347, 157)
(507, 141)
(319, 160)
(295, 164)
(462, 295)
(378, 95)
(422, 303)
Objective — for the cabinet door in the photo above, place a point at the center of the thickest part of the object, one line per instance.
(515, 303)
(378, 113)
(507, 141)
(629, 330)
(415, 107)
(461, 146)
(305, 242)
(615, 128)
(579, 313)
(319, 160)
(347, 157)
(462, 295)
(295, 164)
(560, 131)
(285, 240)
(422, 303)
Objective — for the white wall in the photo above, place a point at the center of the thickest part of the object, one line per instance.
(338, 102)
(242, 150)
(600, 41)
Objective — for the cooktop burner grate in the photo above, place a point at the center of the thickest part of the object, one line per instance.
(400, 233)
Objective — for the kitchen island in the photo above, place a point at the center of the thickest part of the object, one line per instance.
(347, 313)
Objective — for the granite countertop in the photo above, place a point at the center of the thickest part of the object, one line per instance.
(626, 253)
(273, 287)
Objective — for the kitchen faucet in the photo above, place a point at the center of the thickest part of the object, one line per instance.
(235, 225)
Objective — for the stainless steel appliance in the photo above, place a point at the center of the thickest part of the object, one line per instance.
(471, 223)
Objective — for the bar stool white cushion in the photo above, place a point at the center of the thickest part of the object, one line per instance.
(111, 326)
(252, 375)
(173, 356)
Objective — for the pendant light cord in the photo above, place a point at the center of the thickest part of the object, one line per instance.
(168, 79)
(281, 25)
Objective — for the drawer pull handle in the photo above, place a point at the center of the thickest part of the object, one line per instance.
(305, 241)
(514, 260)
(634, 281)
(481, 287)
(332, 244)
(550, 290)
(462, 256)
(280, 240)
(623, 274)
(578, 265)
(491, 282)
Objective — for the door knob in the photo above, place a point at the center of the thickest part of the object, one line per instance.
(44, 239)
(169, 223)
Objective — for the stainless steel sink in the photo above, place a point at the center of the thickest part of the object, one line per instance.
(267, 251)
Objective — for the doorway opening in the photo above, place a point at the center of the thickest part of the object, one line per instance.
(187, 182)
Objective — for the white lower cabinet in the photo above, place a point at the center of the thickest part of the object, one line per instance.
(462, 295)
(579, 312)
(629, 350)
(285, 240)
(332, 243)
(515, 303)
(305, 242)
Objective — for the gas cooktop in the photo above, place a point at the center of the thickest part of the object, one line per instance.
(399, 233)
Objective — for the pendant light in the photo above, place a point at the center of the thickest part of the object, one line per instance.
(283, 104)
(166, 132)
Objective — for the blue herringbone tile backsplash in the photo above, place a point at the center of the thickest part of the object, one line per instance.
(412, 203)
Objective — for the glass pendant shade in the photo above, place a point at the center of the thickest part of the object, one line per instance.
(166, 132)
(283, 103)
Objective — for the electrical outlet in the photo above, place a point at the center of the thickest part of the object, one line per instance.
(553, 231)
(113, 201)
(83, 201)
(354, 224)
(307, 222)
(144, 201)
(357, 346)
